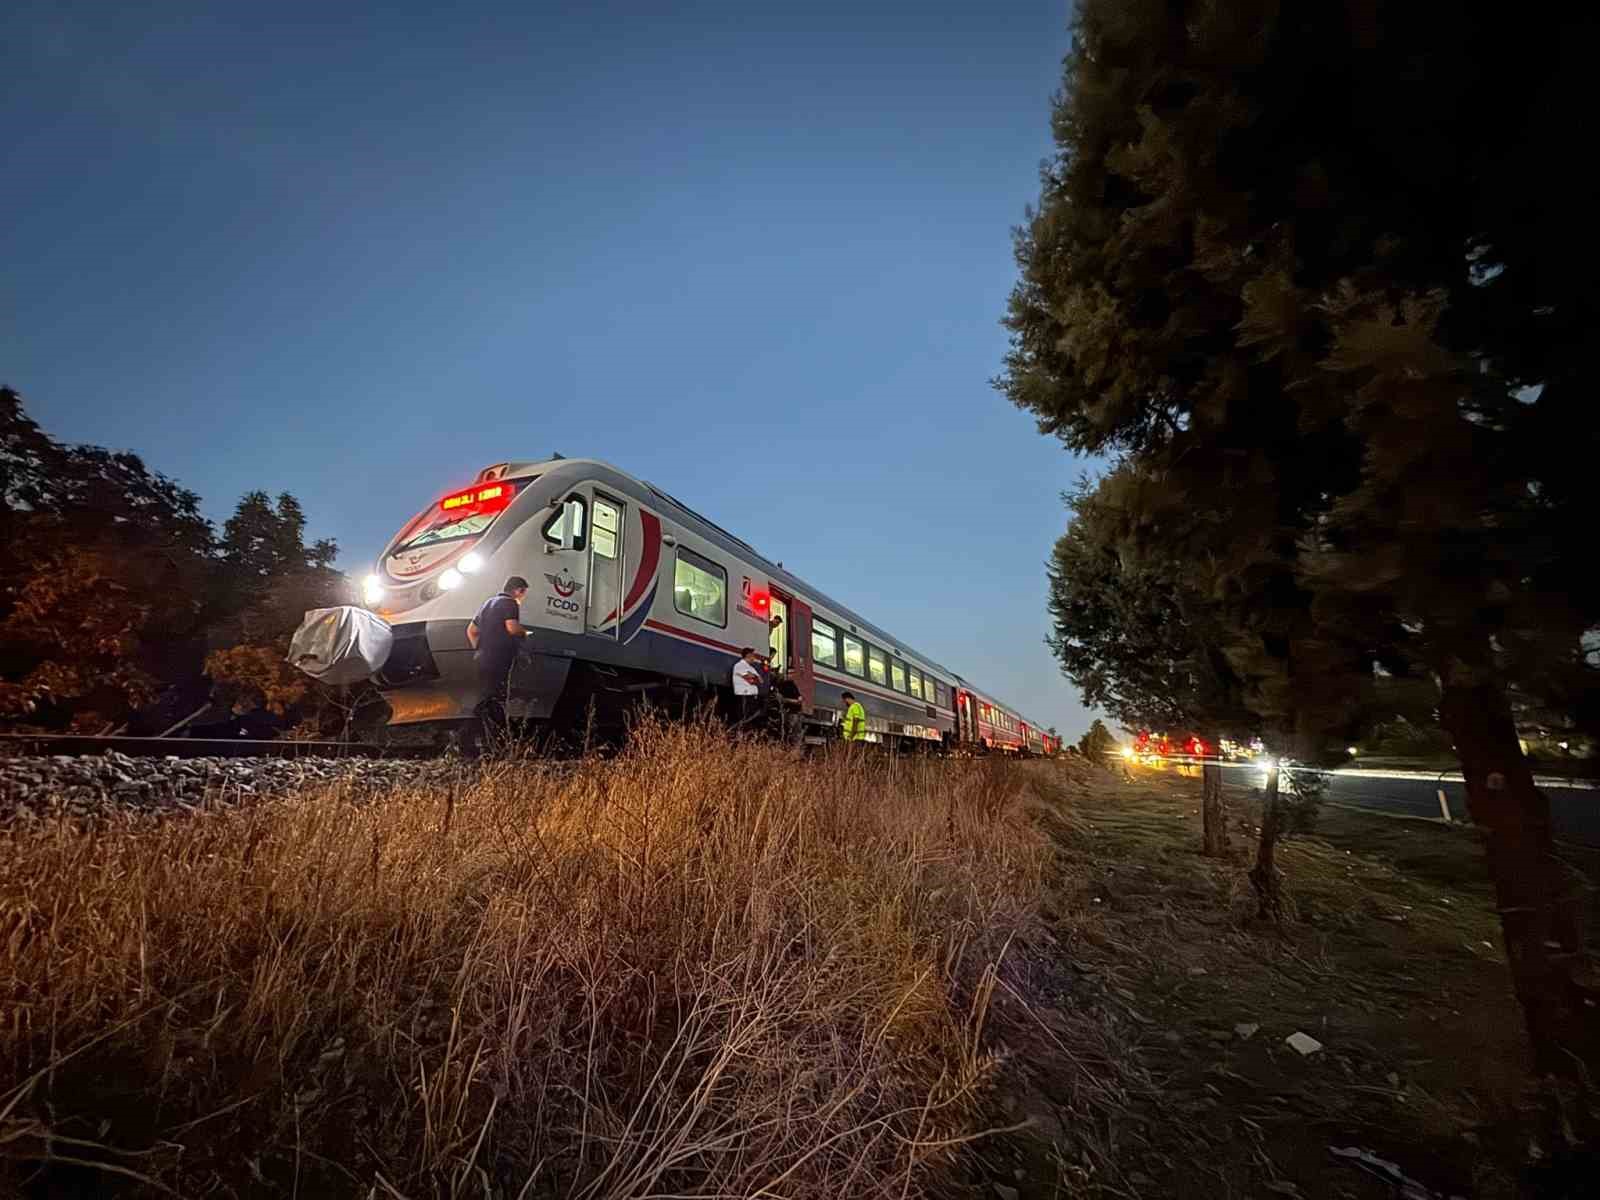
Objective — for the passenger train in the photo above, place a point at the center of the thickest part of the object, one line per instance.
(633, 595)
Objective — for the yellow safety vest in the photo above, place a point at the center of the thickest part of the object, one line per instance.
(855, 722)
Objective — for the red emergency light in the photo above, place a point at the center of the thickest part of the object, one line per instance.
(488, 498)
(761, 600)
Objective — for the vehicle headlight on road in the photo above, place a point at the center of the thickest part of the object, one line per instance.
(372, 589)
(471, 562)
(450, 580)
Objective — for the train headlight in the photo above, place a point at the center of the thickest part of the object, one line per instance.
(450, 580)
(470, 562)
(372, 589)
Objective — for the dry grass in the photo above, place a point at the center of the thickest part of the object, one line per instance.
(698, 968)
(715, 969)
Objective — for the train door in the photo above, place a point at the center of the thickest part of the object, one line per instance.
(966, 717)
(607, 524)
(562, 578)
(778, 631)
(793, 640)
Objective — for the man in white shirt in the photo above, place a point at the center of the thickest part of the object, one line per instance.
(746, 685)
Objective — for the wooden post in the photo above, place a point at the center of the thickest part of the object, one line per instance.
(1264, 875)
(1213, 811)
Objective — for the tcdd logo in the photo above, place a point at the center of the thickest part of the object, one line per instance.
(563, 582)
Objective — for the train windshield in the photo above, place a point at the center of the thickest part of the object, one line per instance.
(461, 515)
(446, 527)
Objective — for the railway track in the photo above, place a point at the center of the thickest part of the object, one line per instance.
(88, 778)
(76, 745)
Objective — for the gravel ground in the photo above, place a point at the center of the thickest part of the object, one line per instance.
(91, 785)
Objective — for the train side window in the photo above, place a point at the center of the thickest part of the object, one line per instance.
(824, 644)
(855, 657)
(916, 683)
(877, 665)
(940, 696)
(897, 673)
(578, 512)
(606, 528)
(700, 588)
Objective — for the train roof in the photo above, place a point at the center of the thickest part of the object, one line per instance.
(710, 530)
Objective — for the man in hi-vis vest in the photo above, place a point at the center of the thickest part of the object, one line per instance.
(854, 726)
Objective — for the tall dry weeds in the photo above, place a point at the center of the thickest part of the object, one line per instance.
(700, 968)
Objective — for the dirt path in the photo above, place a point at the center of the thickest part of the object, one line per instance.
(1160, 1064)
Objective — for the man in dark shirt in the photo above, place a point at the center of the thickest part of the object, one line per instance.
(494, 634)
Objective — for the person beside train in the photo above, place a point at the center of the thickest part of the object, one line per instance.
(854, 725)
(493, 635)
(746, 686)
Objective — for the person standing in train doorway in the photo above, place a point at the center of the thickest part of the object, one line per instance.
(494, 634)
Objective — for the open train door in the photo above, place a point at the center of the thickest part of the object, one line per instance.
(966, 717)
(791, 643)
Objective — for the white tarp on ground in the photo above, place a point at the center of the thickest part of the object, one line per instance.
(341, 645)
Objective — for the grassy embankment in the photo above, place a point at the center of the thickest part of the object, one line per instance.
(697, 968)
(1391, 959)
(713, 970)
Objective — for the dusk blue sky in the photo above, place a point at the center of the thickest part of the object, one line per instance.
(756, 254)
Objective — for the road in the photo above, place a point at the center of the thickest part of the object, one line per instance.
(1574, 808)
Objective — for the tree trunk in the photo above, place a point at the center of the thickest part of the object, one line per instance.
(1264, 875)
(1562, 1015)
(1213, 812)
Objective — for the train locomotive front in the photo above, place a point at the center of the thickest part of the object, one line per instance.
(445, 562)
